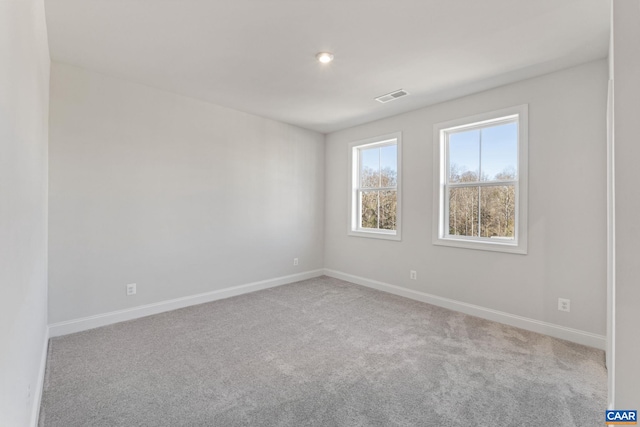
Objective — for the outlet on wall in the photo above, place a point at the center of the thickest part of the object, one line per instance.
(564, 304)
(295, 261)
(131, 289)
(413, 275)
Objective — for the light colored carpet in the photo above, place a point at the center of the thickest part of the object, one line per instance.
(322, 352)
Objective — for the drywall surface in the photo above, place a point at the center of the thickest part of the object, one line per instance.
(24, 104)
(176, 195)
(626, 110)
(567, 206)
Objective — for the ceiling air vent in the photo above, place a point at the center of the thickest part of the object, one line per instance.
(393, 95)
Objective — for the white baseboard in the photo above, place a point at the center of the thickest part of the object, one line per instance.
(85, 323)
(38, 389)
(557, 331)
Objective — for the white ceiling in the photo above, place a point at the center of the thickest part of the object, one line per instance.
(258, 56)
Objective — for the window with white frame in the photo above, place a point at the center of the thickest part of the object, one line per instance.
(480, 174)
(375, 187)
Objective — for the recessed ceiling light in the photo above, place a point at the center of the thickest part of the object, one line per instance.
(324, 57)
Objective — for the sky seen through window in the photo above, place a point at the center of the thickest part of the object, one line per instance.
(497, 153)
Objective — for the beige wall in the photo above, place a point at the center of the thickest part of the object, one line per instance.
(177, 195)
(567, 206)
(24, 104)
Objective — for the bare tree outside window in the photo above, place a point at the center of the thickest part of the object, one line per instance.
(487, 211)
(378, 184)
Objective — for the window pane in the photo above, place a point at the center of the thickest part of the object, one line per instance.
(498, 210)
(388, 205)
(370, 167)
(389, 166)
(464, 156)
(369, 209)
(463, 211)
(500, 152)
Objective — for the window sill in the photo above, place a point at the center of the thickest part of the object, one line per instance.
(483, 245)
(376, 234)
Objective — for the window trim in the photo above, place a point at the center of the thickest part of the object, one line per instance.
(440, 169)
(353, 228)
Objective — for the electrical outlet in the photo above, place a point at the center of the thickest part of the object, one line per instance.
(28, 391)
(413, 275)
(295, 261)
(564, 304)
(131, 289)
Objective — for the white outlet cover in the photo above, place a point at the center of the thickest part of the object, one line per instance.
(131, 289)
(564, 304)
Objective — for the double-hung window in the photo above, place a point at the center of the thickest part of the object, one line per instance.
(480, 174)
(375, 187)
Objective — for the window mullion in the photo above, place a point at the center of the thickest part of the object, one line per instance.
(379, 181)
(480, 156)
(479, 211)
(482, 184)
(379, 167)
(378, 209)
(359, 209)
(479, 180)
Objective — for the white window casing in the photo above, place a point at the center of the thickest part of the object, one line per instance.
(356, 189)
(443, 185)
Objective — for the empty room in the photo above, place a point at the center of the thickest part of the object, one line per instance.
(319, 213)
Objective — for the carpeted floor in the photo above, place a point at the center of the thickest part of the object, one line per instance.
(322, 352)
